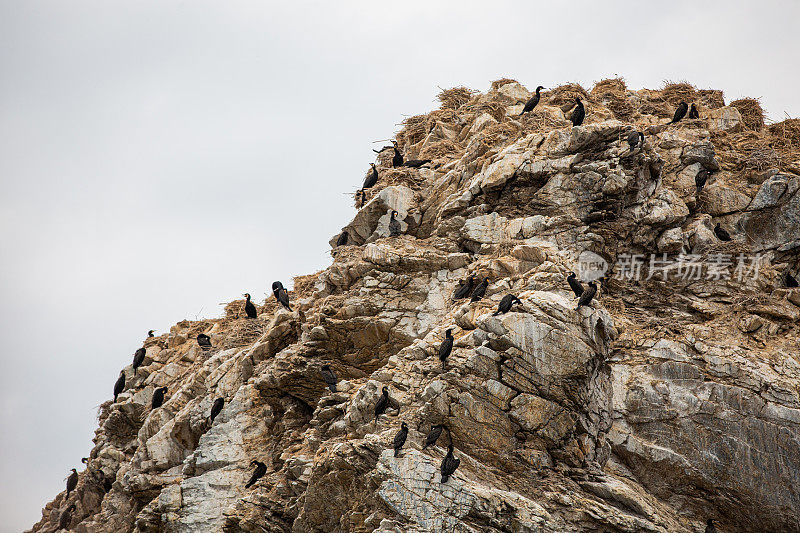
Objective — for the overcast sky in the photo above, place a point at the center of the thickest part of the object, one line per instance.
(158, 158)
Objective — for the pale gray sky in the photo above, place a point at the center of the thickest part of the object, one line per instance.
(159, 157)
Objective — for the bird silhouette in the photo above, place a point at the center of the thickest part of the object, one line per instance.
(532, 102)
(400, 438)
(258, 473)
(680, 112)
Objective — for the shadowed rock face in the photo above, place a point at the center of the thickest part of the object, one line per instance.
(659, 405)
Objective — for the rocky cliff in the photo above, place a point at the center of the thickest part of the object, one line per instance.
(672, 398)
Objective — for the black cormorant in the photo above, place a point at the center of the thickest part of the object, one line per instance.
(416, 163)
(371, 179)
(119, 386)
(72, 482)
(506, 303)
(342, 240)
(382, 404)
(710, 528)
(464, 288)
(249, 307)
(790, 280)
(329, 376)
(700, 179)
(138, 359)
(216, 408)
(634, 138)
(446, 347)
(150, 333)
(680, 112)
(579, 114)
(394, 225)
(693, 112)
(158, 397)
(449, 464)
(532, 102)
(480, 290)
(587, 295)
(204, 340)
(721, 233)
(574, 284)
(66, 517)
(400, 438)
(397, 158)
(433, 435)
(361, 197)
(258, 473)
(281, 294)
(85, 460)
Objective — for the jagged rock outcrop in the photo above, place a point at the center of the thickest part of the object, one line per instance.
(662, 403)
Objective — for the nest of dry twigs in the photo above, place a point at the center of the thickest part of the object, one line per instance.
(609, 85)
(244, 332)
(751, 111)
(304, 285)
(539, 120)
(500, 132)
(564, 94)
(440, 149)
(677, 92)
(455, 97)
(711, 98)
(786, 134)
(496, 84)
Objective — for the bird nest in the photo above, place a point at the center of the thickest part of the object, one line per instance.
(711, 98)
(495, 109)
(415, 129)
(751, 111)
(677, 92)
(564, 94)
(440, 149)
(244, 332)
(399, 176)
(304, 285)
(653, 103)
(540, 120)
(609, 86)
(455, 97)
(502, 131)
(786, 134)
(496, 84)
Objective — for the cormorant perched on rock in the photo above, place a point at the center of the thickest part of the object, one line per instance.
(693, 113)
(281, 294)
(119, 386)
(329, 376)
(464, 288)
(66, 517)
(216, 409)
(204, 340)
(342, 240)
(138, 359)
(587, 295)
(634, 138)
(480, 290)
(701, 178)
(506, 303)
(72, 482)
(361, 197)
(258, 473)
(446, 347)
(371, 179)
(433, 435)
(532, 102)
(249, 307)
(397, 159)
(394, 225)
(400, 438)
(382, 404)
(574, 284)
(85, 460)
(416, 163)
(710, 528)
(579, 114)
(721, 234)
(680, 112)
(158, 397)
(790, 280)
(150, 333)
(449, 464)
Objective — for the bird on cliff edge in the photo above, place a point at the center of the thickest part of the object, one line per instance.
(446, 347)
(400, 438)
(721, 233)
(790, 280)
(506, 303)
(66, 517)
(395, 228)
(587, 295)
(371, 179)
(449, 464)
(575, 285)
(464, 288)
(693, 113)
(258, 473)
(433, 435)
(158, 397)
(532, 102)
(216, 409)
(634, 139)
(119, 386)
(382, 403)
(579, 114)
(700, 179)
(480, 290)
(416, 163)
(342, 240)
(281, 294)
(710, 528)
(150, 333)
(72, 482)
(204, 340)
(680, 112)
(138, 359)
(397, 158)
(249, 308)
(329, 377)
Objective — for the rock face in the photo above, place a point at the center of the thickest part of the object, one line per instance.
(658, 405)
